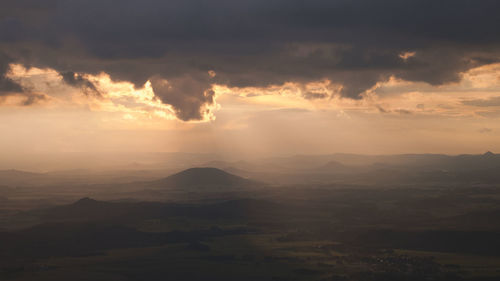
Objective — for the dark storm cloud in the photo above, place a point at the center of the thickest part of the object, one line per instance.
(315, 96)
(7, 86)
(356, 43)
(33, 98)
(187, 95)
(78, 81)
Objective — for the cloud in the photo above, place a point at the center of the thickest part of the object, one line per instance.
(78, 81)
(493, 101)
(489, 114)
(403, 111)
(250, 43)
(7, 85)
(190, 97)
(33, 98)
(314, 96)
(381, 109)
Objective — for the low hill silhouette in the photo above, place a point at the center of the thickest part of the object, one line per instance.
(87, 209)
(204, 178)
(334, 167)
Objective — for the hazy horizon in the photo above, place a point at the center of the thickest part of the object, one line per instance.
(66, 161)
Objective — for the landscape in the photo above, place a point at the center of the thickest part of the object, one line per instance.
(306, 217)
(250, 140)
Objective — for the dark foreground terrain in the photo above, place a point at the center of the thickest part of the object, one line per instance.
(209, 225)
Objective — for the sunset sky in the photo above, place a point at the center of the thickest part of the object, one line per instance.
(250, 78)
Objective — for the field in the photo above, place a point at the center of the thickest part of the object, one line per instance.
(301, 232)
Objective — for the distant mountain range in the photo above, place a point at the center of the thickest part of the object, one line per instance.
(340, 161)
(299, 169)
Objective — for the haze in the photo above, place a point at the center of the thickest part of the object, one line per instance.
(350, 140)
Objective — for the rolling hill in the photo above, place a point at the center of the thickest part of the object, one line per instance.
(203, 178)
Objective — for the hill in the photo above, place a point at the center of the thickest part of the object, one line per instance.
(204, 178)
(90, 210)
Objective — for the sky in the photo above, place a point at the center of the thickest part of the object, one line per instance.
(249, 78)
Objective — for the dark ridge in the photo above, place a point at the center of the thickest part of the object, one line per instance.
(86, 201)
(333, 167)
(204, 177)
(84, 209)
(99, 211)
(489, 153)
